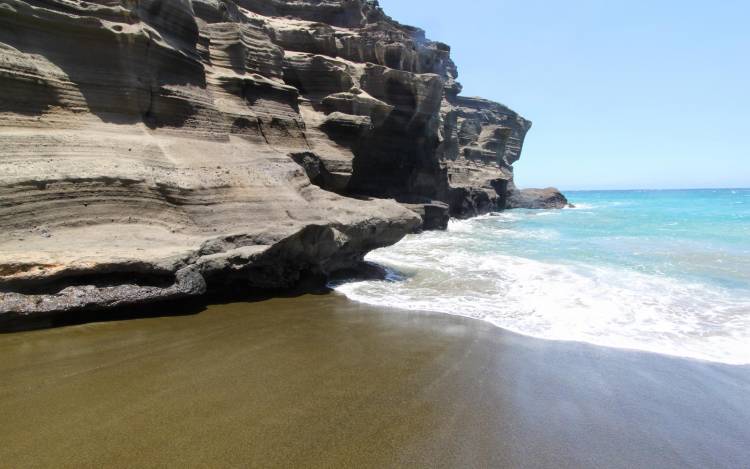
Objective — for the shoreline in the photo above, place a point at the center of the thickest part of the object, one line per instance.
(199, 305)
(581, 342)
(323, 381)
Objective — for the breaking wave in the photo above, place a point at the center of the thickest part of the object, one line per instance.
(532, 275)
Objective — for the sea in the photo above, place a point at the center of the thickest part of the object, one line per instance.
(664, 271)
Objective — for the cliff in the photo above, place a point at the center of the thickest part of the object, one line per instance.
(151, 149)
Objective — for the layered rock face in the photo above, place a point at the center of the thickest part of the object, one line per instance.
(151, 149)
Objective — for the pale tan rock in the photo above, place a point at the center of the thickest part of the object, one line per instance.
(152, 150)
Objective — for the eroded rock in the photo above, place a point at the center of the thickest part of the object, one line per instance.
(153, 150)
(549, 198)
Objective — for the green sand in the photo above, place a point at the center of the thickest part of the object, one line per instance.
(319, 381)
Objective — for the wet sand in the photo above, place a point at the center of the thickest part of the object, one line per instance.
(319, 381)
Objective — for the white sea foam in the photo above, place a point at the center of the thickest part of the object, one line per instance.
(603, 305)
(460, 226)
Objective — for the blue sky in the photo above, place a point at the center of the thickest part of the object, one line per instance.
(623, 94)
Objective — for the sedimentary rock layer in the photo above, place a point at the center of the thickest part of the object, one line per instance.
(152, 149)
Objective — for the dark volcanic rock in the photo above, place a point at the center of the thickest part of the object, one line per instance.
(435, 215)
(155, 149)
(536, 199)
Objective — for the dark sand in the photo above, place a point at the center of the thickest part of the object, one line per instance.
(318, 381)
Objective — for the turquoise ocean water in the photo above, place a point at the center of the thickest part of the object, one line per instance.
(661, 271)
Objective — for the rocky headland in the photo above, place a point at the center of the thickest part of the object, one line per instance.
(152, 150)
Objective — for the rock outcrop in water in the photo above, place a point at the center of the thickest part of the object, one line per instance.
(152, 149)
(535, 198)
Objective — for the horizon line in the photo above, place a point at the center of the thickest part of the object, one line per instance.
(658, 189)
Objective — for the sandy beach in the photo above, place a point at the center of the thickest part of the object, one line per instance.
(320, 381)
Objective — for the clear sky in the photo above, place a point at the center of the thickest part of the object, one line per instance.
(623, 94)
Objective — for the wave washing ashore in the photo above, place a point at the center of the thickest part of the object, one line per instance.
(660, 271)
